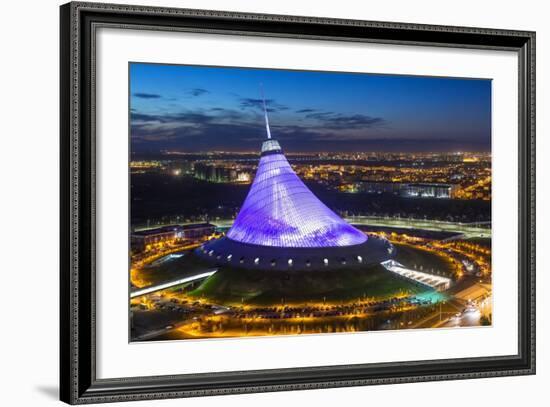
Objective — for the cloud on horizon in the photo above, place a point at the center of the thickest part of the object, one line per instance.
(332, 120)
(143, 95)
(197, 92)
(258, 105)
(243, 129)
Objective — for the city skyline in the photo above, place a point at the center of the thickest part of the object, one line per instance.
(195, 108)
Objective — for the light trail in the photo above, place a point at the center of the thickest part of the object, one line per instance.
(152, 289)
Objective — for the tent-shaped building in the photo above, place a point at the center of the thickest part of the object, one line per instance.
(282, 225)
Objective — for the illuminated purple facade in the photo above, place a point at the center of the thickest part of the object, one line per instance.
(280, 211)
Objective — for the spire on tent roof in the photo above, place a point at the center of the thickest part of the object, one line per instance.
(265, 113)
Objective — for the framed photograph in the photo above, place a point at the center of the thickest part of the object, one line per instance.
(255, 203)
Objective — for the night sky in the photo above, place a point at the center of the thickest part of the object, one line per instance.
(194, 108)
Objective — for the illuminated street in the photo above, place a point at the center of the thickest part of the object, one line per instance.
(466, 229)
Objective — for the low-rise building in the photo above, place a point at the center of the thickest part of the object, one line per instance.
(445, 191)
(139, 240)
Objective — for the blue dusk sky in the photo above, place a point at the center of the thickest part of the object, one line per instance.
(197, 108)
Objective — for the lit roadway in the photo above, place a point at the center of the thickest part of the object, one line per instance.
(469, 230)
(164, 286)
(445, 310)
(452, 313)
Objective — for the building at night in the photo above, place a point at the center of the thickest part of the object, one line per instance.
(444, 191)
(139, 240)
(220, 173)
(373, 187)
(282, 225)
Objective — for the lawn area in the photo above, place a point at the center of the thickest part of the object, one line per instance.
(236, 286)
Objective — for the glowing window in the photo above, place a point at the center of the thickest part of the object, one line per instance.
(290, 262)
(325, 261)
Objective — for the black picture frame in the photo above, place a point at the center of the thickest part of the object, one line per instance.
(78, 382)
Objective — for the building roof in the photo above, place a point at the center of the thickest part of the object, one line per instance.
(171, 228)
(433, 185)
(229, 253)
(156, 231)
(196, 226)
(281, 211)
